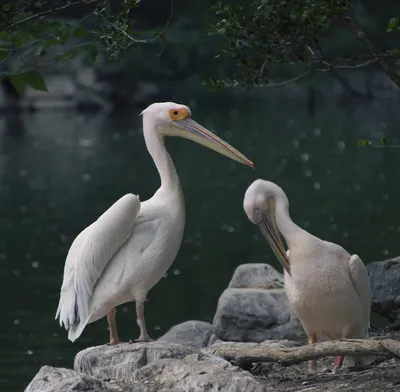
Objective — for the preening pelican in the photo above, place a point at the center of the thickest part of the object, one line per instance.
(128, 249)
(327, 288)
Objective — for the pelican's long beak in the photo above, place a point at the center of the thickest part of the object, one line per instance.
(191, 130)
(269, 228)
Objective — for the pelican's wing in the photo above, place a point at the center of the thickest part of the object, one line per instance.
(361, 283)
(88, 256)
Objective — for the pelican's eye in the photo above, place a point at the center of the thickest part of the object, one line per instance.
(178, 114)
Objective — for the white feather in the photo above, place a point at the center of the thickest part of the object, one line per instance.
(88, 256)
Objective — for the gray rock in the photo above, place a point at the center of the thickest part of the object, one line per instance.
(256, 276)
(254, 315)
(164, 367)
(167, 367)
(385, 284)
(190, 333)
(50, 379)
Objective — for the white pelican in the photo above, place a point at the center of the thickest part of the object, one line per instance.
(128, 249)
(327, 288)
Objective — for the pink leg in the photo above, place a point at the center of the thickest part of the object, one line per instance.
(338, 362)
(114, 339)
(144, 336)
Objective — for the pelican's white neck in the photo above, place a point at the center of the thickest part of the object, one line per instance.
(283, 220)
(162, 160)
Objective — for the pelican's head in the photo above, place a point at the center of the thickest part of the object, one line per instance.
(260, 205)
(173, 119)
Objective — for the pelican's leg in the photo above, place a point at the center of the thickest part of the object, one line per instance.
(312, 367)
(338, 363)
(144, 336)
(114, 339)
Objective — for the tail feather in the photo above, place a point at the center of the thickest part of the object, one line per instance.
(76, 330)
(70, 314)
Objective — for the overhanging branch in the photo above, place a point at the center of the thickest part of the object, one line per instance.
(244, 353)
(390, 70)
(51, 11)
(331, 66)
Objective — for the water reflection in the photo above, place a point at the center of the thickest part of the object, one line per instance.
(63, 170)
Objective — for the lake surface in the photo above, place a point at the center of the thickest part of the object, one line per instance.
(59, 171)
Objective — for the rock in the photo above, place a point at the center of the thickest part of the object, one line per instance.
(50, 379)
(169, 367)
(254, 315)
(164, 367)
(190, 333)
(256, 276)
(385, 284)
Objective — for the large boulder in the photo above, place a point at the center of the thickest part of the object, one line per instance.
(255, 315)
(168, 367)
(51, 379)
(256, 276)
(190, 333)
(385, 285)
(164, 367)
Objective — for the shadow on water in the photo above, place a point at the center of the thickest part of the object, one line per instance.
(60, 171)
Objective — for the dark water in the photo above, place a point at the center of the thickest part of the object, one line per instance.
(60, 171)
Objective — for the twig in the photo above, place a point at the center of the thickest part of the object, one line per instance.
(171, 15)
(390, 70)
(349, 66)
(150, 40)
(383, 146)
(275, 84)
(42, 14)
(133, 40)
(367, 57)
(244, 353)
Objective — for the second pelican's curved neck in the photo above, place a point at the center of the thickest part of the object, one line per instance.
(162, 160)
(283, 220)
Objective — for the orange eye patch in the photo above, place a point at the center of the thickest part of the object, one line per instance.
(179, 114)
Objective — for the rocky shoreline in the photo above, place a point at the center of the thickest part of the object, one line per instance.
(252, 309)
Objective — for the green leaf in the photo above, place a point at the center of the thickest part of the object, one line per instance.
(4, 36)
(393, 24)
(34, 79)
(22, 16)
(17, 40)
(48, 43)
(364, 143)
(18, 81)
(66, 55)
(385, 141)
(4, 54)
(80, 31)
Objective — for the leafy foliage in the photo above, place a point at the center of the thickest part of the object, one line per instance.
(256, 37)
(260, 34)
(256, 33)
(32, 37)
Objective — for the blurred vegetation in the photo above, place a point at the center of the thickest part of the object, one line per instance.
(251, 43)
(259, 34)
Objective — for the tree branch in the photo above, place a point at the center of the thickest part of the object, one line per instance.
(390, 70)
(149, 40)
(48, 12)
(244, 353)
(347, 66)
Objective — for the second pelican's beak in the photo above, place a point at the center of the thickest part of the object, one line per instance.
(191, 130)
(269, 228)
